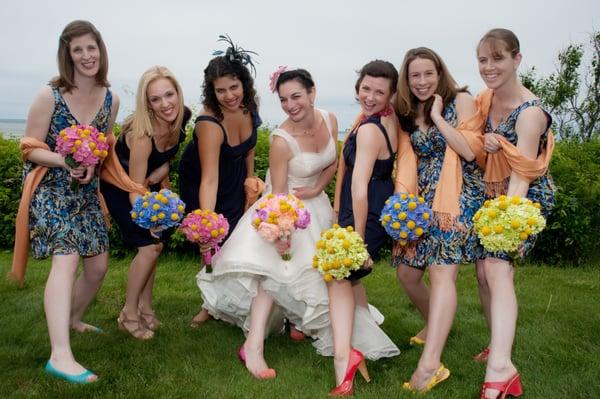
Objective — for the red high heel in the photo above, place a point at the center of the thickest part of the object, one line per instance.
(482, 356)
(263, 375)
(510, 387)
(356, 361)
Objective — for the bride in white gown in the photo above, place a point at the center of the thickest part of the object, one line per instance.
(250, 285)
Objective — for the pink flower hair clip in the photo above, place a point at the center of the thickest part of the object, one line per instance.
(275, 75)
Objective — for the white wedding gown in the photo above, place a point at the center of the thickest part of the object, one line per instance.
(298, 290)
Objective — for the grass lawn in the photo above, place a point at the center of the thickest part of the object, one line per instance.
(557, 348)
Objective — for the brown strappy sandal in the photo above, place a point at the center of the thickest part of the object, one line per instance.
(139, 332)
(150, 320)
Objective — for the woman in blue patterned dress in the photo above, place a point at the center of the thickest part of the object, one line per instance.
(431, 108)
(66, 224)
(514, 114)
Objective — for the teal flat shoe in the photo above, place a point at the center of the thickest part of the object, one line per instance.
(82, 378)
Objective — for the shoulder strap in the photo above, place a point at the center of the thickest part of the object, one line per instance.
(534, 103)
(292, 143)
(377, 123)
(325, 116)
(212, 119)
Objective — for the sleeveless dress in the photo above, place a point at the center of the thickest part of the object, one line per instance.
(117, 200)
(62, 221)
(232, 173)
(459, 244)
(541, 190)
(379, 190)
(298, 290)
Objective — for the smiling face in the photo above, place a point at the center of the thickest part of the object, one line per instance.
(229, 92)
(163, 100)
(423, 78)
(373, 94)
(296, 100)
(85, 54)
(496, 64)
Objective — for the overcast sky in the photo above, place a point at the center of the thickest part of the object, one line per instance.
(332, 39)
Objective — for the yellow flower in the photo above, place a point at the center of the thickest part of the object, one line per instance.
(77, 143)
(421, 200)
(156, 207)
(402, 242)
(161, 215)
(387, 218)
(523, 236)
(487, 203)
(396, 225)
(214, 233)
(328, 277)
(97, 153)
(502, 197)
(396, 206)
(531, 221)
(350, 229)
(320, 244)
(402, 215)
(498, 229)
(412, 206)
(92, 145)
(180, 208)
(197, 212)
(346, 244)
(329, 235)
(403, 234)
(347, 262)
(174, 216)
(537, 205)
(133, 215)
(154, 218)
(194, 227)
(486, 231)
(516, 200)
(403, 196)
(425, 216)
(492, 213)
(331, 250)
(411, 225)
(503, 205)
(336, 226)
(221, 230)
(418, 232)
(411, 196)
(515, 223)
(341, 235)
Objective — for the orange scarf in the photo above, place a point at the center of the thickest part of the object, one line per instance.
(446, 201)
(508, 159)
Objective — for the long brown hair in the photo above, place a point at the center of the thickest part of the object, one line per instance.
(407, 102)
(501, 39)
(66, 70)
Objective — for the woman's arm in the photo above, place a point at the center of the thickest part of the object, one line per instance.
(368, 144)
(465, 108)
(279, 156)
(250, 163)
(139, 152)
(210, 138)
(157, 175)
(530, 125)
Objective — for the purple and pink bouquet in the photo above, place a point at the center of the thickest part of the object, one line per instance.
(157, 211)
(277, 216)
(205, 228)
(81, 145)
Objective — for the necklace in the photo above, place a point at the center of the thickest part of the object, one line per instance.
(309, 132)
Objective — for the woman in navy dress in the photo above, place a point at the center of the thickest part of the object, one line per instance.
(150, 139)
(219, 159)
(364, 184)
(65, 224)
(431, 107)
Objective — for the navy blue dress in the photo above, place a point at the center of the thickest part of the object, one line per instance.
(380, 188)
(117, 200)
(232, 173)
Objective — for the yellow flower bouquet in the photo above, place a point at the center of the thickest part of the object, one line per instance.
(504, 223)
(339, 251)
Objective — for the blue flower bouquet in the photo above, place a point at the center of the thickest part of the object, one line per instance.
(157, 211)
(405, 217)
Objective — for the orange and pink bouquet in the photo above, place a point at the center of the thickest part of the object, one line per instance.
(277, 216)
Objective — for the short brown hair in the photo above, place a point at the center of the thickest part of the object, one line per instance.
(509, 40)
(378, 69)
(65, 78)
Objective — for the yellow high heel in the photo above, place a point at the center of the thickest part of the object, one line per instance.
(416, 341)
(440, 375)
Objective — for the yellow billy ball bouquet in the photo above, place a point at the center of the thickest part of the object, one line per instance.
(504, 223)
(339, 251)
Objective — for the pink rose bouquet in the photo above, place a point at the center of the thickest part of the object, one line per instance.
(81, 145)
(207, 229)
(277, 216)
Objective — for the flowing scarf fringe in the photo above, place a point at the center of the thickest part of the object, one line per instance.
(494, 189)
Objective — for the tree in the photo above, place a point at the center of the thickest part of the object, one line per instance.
(572, 100)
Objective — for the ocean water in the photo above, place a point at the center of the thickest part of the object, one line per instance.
(12, 128)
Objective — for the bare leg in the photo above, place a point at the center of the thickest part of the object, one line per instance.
(442, 308)
(484, 291)
(57, 304)
(341, 312)
(504, 309)
(412, 281)
(86, 287)
(145, 302)
(360, 294)
(260, 310)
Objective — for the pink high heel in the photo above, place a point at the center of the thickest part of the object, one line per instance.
(263, 375)
(510, 387)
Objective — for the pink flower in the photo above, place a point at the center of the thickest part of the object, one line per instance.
(274, 76)
(269, 232)
(286, 223)
(303, 219)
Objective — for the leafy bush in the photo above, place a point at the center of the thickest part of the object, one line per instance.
(10, 176)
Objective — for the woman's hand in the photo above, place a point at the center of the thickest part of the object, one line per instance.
(304, 192)
(82, 174)
(491, 142)
(437, 107)
(335, 216)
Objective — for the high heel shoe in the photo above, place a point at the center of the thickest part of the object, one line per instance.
(482, 356)
(137, 330)
(83, 378)
(416, 341)
(510, 387)
(263, 375)
(440, 375)
(150, 320)
(356, 361)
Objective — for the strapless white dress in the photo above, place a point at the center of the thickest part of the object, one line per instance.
(298, 290)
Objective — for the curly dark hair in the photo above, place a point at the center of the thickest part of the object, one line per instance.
(219, 67)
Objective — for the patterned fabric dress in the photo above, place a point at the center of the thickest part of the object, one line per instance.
(541, 190)
(62, 221)
(460, 243)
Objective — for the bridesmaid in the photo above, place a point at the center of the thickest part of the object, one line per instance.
(216, 171)
(444, 148)
(65, 224)
(149, 141)
(516, 134)
(364, 183)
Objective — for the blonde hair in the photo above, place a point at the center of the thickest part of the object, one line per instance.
(140, 122)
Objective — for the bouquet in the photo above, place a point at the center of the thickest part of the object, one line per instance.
(339, 251)
(405, 217)
(205, 228)
(81, 145)
(502, 224)
(157, 211)
(277, 216)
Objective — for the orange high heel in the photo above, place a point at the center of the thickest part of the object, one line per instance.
(263, 375)
(510, 387)
(356, 361)
(482, 356)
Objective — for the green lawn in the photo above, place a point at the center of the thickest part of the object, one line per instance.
(557, 347)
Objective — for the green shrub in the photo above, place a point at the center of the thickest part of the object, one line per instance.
(10, 193)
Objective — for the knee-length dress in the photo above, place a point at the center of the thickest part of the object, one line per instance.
(298, 290)
(458, 244)
(117, 200)
(541, 190)
(232, 173)
(63, 221)
(379, 190)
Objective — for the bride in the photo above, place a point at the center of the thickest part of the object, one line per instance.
(250, 285)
